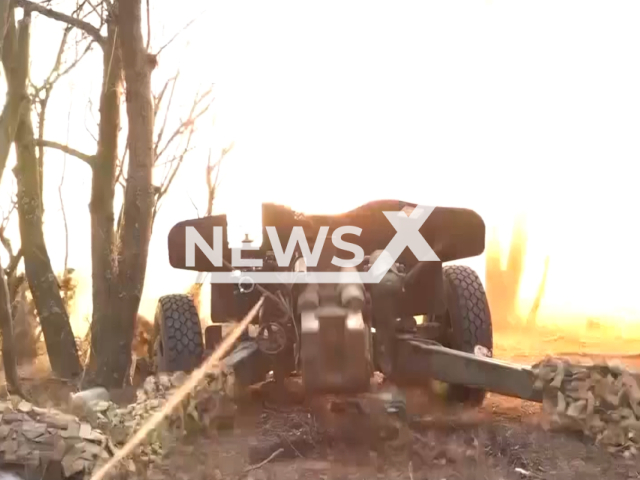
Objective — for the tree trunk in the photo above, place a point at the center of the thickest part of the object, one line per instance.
(113, 361)
(101, 209)
(58, 335)
(9, 360)
(25, 322)
(15, 63)
(15, 68)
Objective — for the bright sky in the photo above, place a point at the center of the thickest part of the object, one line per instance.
(499, 106)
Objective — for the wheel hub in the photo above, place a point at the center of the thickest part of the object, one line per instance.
(271, 338)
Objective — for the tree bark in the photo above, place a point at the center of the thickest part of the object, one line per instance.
(8, 125)
(113, 355)
(101, 209)
(15, 70)
(58, 335)
(9, 360)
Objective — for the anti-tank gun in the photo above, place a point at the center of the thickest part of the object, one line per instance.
(338, 329)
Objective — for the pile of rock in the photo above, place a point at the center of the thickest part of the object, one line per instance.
(39, 440)
(77, 445)
(602, 400)
(209, 406)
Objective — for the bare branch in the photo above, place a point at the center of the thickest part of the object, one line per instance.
(13, 263)
(89, 110)
(170, 175)
(177, 34)
(57, 75)
(173, 159)
(157, 104)
(157, 99)
(4, 241)
(86, 27)
(212, 183)
(64, 213)
(7, 216)
(190, 122)
(58, 62)
(47, 88)
(57, 71)
(194, 206)
(200, 106)
(43, 92)
(211, 189)
(95, 10)
(177, 161)
(88, 159)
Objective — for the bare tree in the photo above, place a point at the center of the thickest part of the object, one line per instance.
(103, 165)
(119, 255)
(9, 353)
(8, 125)
(17, 127)
(113, 362)
(58, 335)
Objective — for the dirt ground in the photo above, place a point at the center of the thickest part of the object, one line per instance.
(500, 442)
(505, 439)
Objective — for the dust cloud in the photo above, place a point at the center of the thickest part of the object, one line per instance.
(520, 327)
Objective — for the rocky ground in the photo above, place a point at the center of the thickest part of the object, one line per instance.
(505, 439)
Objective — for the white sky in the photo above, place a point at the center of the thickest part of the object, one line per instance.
(498, 106)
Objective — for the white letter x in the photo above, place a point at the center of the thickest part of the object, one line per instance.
(407, 235)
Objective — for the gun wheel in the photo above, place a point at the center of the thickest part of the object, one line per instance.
(177, 344)
(469, 321)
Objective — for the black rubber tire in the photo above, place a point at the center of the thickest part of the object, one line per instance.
(178, 345)
(469, 319)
